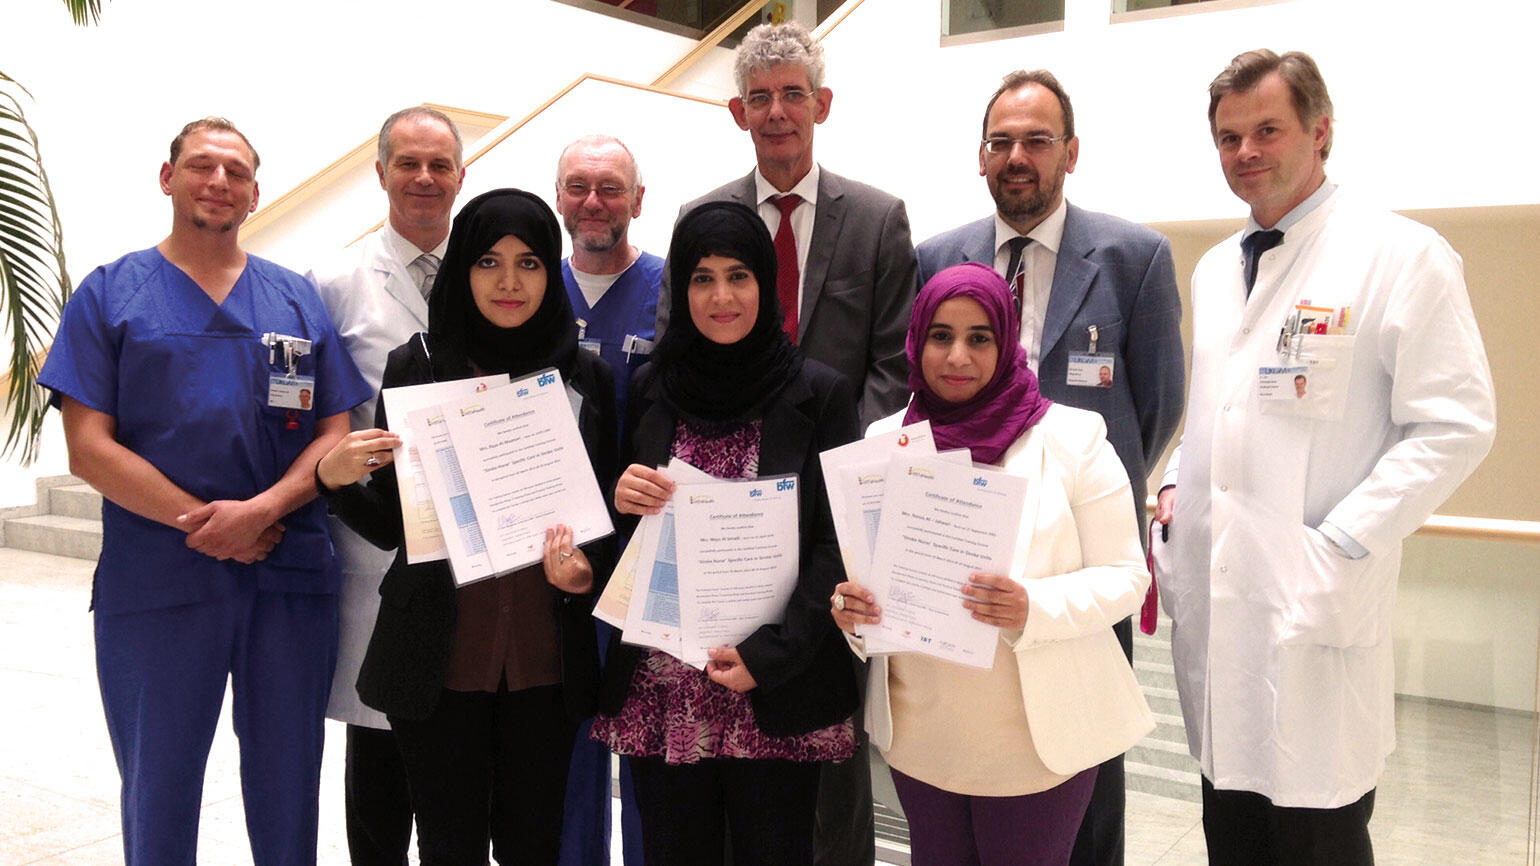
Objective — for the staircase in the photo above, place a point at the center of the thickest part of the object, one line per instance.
(66, 521)
(1160, 763)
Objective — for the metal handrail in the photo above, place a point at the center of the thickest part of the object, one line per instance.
(1460, 526)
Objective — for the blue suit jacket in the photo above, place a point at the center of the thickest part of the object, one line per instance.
(1118, 276)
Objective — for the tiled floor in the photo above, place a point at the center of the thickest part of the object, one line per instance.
(1457, 790)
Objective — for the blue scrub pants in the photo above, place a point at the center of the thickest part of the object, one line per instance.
(585, 835)
(163, 674)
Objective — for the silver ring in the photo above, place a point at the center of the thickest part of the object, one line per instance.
(839, 601)
(564, 554)
(372, 461)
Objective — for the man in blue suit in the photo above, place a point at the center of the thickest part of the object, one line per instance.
(1098, 300)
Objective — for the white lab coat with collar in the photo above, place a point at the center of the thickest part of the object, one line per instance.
(376, 306)
(1078, 554)
(1282, 643)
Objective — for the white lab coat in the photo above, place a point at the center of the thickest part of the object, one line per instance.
(376, 305)
(1282, 643)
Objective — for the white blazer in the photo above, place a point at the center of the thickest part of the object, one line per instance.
(376, 306)
(1078, 554)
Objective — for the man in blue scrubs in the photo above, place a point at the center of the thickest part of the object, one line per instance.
(614, 288)
(613, 285)
(180, 371)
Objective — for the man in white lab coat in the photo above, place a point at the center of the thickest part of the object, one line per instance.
(377, 294)
(1288, 509)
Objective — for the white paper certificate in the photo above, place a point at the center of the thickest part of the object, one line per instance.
(738, 547)
(420, 531)
(652, 618)
(468, 558)
(849, 512)
(525, 468)
(941, 522)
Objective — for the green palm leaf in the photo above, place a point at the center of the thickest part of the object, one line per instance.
(34, 284)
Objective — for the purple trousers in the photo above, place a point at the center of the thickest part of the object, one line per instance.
(947, 829)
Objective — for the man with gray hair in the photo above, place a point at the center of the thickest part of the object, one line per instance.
(377, 294)
(613, 287)
(1289, 505)
(845, 281)
(846, 268)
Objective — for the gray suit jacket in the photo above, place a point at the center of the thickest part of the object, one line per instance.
(858, 286)
(1118, 276)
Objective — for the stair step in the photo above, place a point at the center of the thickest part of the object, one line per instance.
(1160, 753)
(1163, 781)
(1169, 729)
(55, 534)
(75, 500)
(1163, 702)
(1153, 674)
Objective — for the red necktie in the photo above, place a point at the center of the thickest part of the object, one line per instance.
(787, 273)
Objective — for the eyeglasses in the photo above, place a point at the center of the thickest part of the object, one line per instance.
(1001, 145)
(579, 190)
(791, 97)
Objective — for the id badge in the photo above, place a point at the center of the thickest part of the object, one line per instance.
(1091, 370)
(1287, 384)
(291, 392)
(590, 345)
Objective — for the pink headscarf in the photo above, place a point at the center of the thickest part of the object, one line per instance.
(1009, 403)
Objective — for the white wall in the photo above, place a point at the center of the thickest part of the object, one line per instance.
(306, 81)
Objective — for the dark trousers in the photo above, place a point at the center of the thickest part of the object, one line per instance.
(845, 834)
(485, 767)
(947, 829)
(162, 675)
(1245, 829)
(377, 804)
(1100, 842)
(688, 810)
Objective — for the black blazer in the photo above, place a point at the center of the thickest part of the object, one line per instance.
(803, 669)
(404, 667)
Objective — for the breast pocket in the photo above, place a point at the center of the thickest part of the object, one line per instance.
(1319, 390)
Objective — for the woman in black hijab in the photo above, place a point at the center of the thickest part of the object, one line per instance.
(727, 392)
(485, 685)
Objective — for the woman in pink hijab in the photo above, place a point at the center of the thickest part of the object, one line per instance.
(995, 766)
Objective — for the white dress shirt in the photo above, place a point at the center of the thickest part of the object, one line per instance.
(1037, 263)
(801, 218)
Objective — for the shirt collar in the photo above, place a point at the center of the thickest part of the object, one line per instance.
(1300, 211)
(404, 251)
(1049, 233)
(807, 187)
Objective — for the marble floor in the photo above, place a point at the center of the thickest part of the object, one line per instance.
(1459, 789)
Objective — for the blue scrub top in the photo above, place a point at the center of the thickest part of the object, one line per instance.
(187, 381)
(628, 308)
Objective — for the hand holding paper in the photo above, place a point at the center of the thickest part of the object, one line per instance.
(726, 668)
(642, 490)
(853, 606)
(996, 600)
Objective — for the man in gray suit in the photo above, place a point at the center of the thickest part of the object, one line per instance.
(1098, 301)
(849, 294)
(377, 294)
(846, 272)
